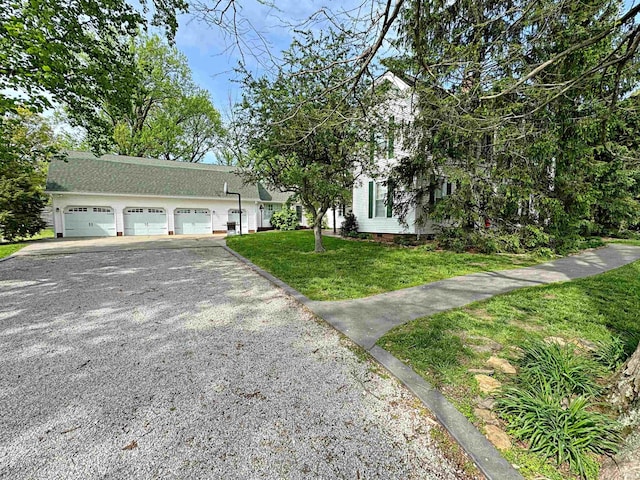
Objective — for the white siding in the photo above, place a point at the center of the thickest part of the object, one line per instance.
(219, 208)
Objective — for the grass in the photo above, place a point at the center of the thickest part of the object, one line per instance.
(353, 269)
(7, 249)
(628, 241)
(600, 312)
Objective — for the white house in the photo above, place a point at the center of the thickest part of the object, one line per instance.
(372, 203)
(116, 195)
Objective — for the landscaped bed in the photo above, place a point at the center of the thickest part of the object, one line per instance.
(355, 269)
(578, 331)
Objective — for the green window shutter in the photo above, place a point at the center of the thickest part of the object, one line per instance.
(370, 199)
(392, 132)
(389, 199)
(372, 145)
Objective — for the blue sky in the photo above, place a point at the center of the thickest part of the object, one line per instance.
(212, 56)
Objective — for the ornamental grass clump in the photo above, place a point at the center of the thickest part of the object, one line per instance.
(551, 407)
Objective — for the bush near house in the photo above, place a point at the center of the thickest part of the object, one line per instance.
(284, 219)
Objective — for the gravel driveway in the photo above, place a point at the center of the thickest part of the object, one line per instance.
(185, 364)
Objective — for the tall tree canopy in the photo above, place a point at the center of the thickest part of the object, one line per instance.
(28, 142)
(306, 129)
(518, 104)
(71, 51)
(167, 115)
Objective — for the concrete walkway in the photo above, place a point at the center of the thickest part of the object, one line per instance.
(365, 320)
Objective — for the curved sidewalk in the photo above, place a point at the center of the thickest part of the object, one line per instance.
(365, 320)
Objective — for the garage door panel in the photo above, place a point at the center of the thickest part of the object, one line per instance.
(85, 221)
(192, 221)
(145, 221)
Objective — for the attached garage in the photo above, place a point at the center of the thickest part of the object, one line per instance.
(89, 222)
(145, 221)
(192, 221)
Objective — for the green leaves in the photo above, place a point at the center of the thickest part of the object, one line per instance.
(306, 128)
(551, 408)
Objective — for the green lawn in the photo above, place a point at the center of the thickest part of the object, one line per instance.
(7, 249)
(590, 312)
(354, 269)
(628, 241)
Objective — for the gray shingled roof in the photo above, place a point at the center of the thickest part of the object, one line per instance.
(116, 174)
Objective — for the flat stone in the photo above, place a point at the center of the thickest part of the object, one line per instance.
(496, 436)
(483, 371)
(486, 403)
(486, 416)
(487, 384)
(501, 365)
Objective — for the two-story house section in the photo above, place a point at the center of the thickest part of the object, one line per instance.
(372, 197)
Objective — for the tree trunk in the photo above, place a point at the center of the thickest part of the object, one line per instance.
(317, 233)
(626, 390)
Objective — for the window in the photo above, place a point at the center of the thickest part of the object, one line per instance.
(439, 189)
(299, 213)
(101, 210)
(155, 210)
(200, 210)
(76, 209)
(381, 200)
(181, 211)
(134, 210)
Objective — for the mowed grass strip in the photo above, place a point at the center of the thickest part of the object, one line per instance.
(355, 269)
(7, 249)
(588, 312)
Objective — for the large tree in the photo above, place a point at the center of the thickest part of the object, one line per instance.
(518, 117)
(306, 129)
(27, 142)
(71, 51)
(166, 115)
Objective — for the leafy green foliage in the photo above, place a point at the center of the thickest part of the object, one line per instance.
(166, 115)
(26, 144)
(357, 269)
(564, 433)
(557, 370)
(307, 125)
(284, 219)
(349, 226)
(550, 407)
(611, 353)
(524, 114)
(73, 51)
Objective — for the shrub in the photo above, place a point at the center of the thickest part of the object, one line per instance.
(550, 407)
(564, 432)
(452, 239)
(610, 353)
(559, 368)
(284, 219)
(349, 226)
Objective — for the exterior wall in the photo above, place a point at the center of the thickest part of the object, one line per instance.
(402, 106)
(339, 217)
(375, 224)
(219, 209)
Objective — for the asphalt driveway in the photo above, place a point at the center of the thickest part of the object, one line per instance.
(183, 363)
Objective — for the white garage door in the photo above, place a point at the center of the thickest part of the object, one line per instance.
(192, 221)
(89, 222)
(145, 221)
